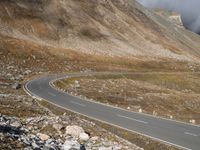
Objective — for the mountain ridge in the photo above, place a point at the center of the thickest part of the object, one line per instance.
(106, 27)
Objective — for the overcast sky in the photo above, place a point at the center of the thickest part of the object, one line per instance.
(189, 9)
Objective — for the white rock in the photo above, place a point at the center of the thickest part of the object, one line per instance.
(74, 131)
(84, 137)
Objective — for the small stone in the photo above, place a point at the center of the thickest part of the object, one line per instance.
(25, 141)
(82, 147)
(95, 138)
(16, 86)
(19, 77)
(35, 146)
(57, 126)
(76, 82)
(43, 137)
(16, 124)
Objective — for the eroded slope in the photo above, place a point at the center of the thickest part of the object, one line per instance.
(108, 27)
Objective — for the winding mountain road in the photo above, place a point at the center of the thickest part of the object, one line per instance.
(182, 135)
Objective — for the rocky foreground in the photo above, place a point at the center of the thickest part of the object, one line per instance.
(50, 133)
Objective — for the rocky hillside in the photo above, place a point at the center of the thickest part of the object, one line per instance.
(108, 27)
(54, 133)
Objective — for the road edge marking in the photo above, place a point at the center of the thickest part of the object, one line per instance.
(132, 119)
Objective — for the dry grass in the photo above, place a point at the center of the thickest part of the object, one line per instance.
(20, 106)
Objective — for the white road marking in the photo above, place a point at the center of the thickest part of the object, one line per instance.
(140, 121)
(51, 94)
(192, 134)
(78, 103)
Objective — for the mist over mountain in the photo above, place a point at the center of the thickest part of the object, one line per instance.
(189, 10)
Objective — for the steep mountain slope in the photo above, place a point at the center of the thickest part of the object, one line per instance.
(108, 27)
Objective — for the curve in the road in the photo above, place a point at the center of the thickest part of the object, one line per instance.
(182, 135)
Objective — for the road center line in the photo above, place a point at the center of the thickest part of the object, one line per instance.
(140, 121)
(78, 103)
(192, 134)
(51, 94)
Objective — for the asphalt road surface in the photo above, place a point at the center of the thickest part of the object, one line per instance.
(183, 135)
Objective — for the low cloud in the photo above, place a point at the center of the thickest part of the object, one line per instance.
(189, 10)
